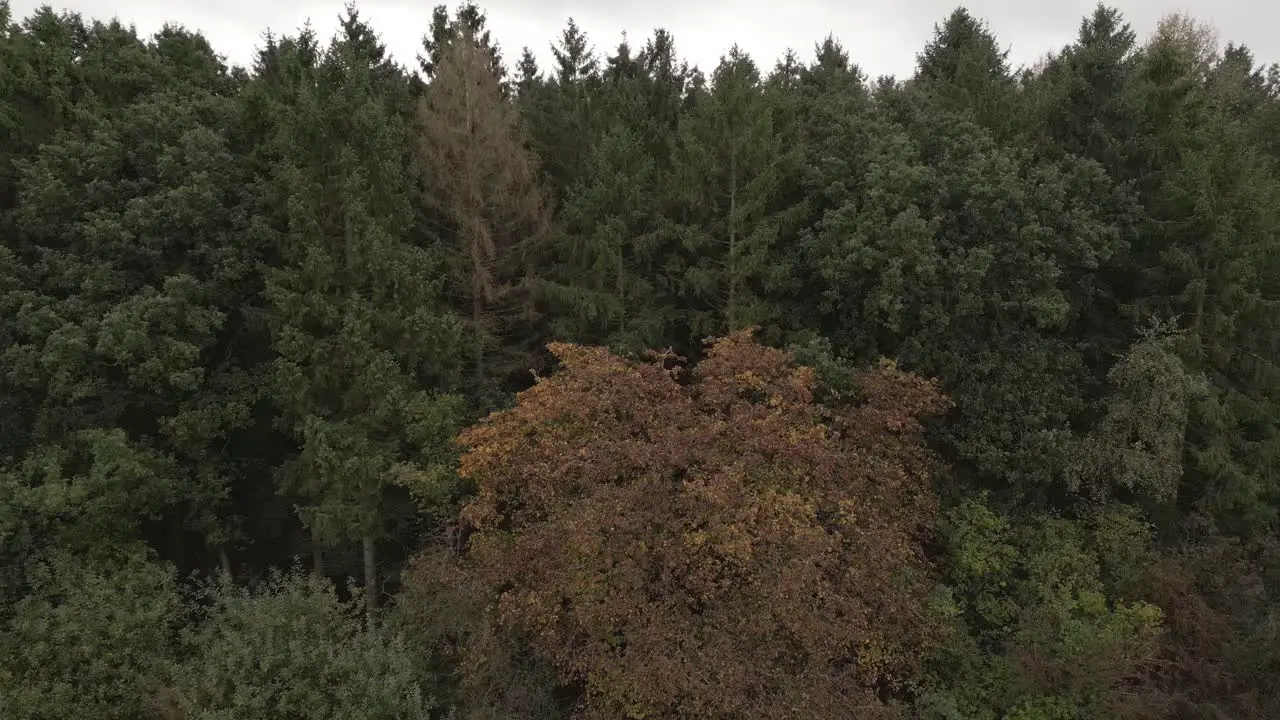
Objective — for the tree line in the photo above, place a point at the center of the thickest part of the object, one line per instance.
(332, 388)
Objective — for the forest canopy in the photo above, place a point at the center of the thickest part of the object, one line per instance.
(623, 388)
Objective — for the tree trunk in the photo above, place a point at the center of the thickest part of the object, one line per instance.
(477, 320)
(370, 579)
(225, 561)
(473, 246)
(730, 314)
(317, 556)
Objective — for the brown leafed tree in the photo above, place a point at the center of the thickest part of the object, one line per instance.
(481, 183)
(708, 543)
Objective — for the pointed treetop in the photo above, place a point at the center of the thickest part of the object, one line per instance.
(830, 55)
(736, 66)
(469, 21)
(621, 64)
(527, 72)
(659, 57)
(831, 68)
(787, 71)
(357, 41)
(280, 55)
(575, 59)
(1106, 28)
(962, 47)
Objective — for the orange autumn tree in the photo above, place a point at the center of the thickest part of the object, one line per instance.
(708, 543)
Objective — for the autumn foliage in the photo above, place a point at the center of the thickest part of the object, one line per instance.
(707, 543)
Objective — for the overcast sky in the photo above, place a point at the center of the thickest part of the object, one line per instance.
(883, 36)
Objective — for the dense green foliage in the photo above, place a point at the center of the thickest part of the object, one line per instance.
(246, 315)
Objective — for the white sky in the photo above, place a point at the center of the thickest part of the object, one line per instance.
(882, 36)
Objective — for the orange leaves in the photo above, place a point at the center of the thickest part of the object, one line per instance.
(707, 542)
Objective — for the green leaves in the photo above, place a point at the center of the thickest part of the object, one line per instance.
(1038, 629)
(92, 639)
(365, 348)
(99, 637)
(1139, 443)
(218, 286)
(726, 173)
(291, 648)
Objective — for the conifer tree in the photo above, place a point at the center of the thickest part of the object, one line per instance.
(366, 347)
(1207, 255)
(469, 21)
(611, 250)
(568, 126)
(1091, 85)
(482, 185)
(666, 81)
(842, 134)
(727, 171)
(963, 69)
(528, 78)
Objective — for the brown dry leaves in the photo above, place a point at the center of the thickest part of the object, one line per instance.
(720, 547)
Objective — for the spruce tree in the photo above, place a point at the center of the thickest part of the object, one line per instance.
(568, 115)
(1206, 256)
(366, 349)
(610, 253)
(1088, 101)
(963, 69)
(726, 174)
(469, 21)
(482, 186)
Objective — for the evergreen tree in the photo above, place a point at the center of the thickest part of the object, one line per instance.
(1206, 256)
(469, 22)
(666, 81)
(1090, 106)
(568, 114)
(366, 349)
(482, 184)
(611, 250)
(727, 171)
(529, 79)
(963, 69)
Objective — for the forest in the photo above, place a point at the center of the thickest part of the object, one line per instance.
(333, 388)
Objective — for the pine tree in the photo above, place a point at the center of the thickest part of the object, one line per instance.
(366, 348)
(469, 22)
(727, 171)
(568, 115)
(483, 187)
(963, 69)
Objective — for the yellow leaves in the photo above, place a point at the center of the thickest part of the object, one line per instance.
(690, 510)
(749, 380)
(872, 656)
(888, 366)
(814, 432)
